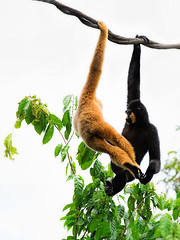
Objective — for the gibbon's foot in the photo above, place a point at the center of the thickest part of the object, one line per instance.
(135, 170)
(116, 184)
(146, 40)
(109, 188)
(146, 178)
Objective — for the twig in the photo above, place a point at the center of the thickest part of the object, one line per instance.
(131, 215)
(69, 159)
(90, 22)
(66, 143)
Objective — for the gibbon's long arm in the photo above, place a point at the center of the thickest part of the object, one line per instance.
(134, 75)
(88, 120)
(154, 156)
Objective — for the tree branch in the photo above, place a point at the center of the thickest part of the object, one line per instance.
(90, 22)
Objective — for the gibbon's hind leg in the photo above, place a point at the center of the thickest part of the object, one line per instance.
(117, 183)
(117, 155)
(108, 133)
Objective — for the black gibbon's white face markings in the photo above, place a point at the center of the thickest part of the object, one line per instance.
(88, 120)
(138, 131)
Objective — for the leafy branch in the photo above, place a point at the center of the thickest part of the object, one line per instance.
(92, 214)
(33, 111)
(90, 22)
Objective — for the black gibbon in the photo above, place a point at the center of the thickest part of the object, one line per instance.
(137, 130)
(88, 120)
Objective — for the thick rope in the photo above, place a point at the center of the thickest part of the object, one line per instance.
(90, 22)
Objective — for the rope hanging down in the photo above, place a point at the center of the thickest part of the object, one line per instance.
(90, 22)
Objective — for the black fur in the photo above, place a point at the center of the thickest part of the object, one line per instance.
(142, 134)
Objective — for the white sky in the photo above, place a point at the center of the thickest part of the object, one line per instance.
(47, 53)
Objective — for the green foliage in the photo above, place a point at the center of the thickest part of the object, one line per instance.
(10, 150)
(85, 156)
(32, 111)
(88, 214)
(172, 171)
(92, 215)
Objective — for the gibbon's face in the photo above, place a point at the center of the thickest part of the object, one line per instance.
(131, 118)
(136, 113)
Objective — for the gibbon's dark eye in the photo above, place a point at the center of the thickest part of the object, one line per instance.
(128, 111)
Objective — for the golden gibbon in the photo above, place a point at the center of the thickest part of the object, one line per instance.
(88, 120)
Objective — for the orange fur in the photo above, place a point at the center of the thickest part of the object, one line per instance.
(88, 120)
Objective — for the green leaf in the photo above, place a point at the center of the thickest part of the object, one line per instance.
(172, 152)
(44, 121)
(103, 231)
(97, 167)
(10, 150)
(76, 102)
(58, 149)
(29, 115)
(110, 171)
(96, 171)
(64, 152)
(178, 194)
(161, 201)
(68, 206)
(71, 238)
(78, 186)
(175, 231)
(67, 166)
(13, 150)
(41, 121)
(8, 141)
(66, 102)
(70, 177)
(67, 123)
(38, 126)
(48, 134)
(56, 121)
(18, 123)
(22, 105)
(169, 216)
(113, 229)
(120, 211)
(175, 213)
(140, 225)
(129, 189)
(95, 222)
(164, 227)
(70, 221)
(85, 156)
(68, 131)
(169, 204)
(73, 166)
(66, 118)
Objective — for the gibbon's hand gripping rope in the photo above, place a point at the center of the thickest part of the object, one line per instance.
(111, 36)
